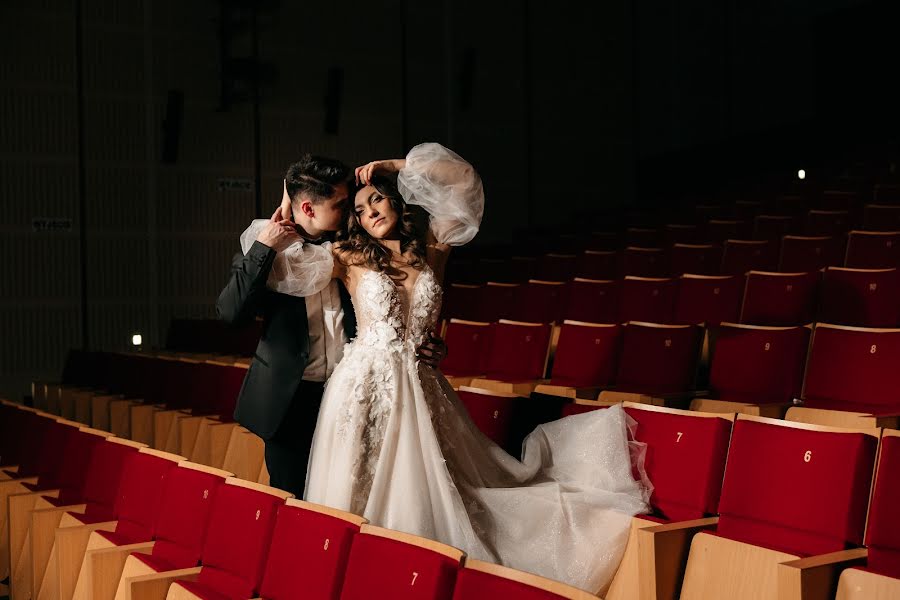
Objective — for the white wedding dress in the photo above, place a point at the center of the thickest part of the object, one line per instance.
(394, 444)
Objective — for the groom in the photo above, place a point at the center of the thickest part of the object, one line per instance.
(303, 338)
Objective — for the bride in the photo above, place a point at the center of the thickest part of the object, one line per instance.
(394, 443)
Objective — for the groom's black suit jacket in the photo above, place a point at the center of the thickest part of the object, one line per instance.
(283, 351)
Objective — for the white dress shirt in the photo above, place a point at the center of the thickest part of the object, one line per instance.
(326, 332)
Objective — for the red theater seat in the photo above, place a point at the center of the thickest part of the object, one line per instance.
(592, 301)
(479, 580)
(772, 227)
(801, 254)
(184, 512)
(685, 459)
(647, 299)
(241, 522)
(881, 217)
(779, 298)
(658, 360)
(518, 351)
(539, 302)
(741, 256)
(496, 414)
(873, 250)
(708, 299)
(599, 264)
(853, 369)
(718, 231)
(790, 491)
(399, 566)
(827, 222)
(463, 301)
(646, 262)
(860, 297)
(757, 365)
(880, 578)
(699, 259)
(468, 343)
(556, 267)
(309, 551)
(586, 354)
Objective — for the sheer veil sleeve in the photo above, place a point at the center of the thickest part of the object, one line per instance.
(300, 269)
(448, 188)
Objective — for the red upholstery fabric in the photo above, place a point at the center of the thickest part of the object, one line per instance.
(758, 366)
(556, 267)
(774, 497)
(741, 256)
(646, 262)
(772, 227)
(161, 564)
(593, 301)
(659, 360)
(860, 298)
(48, 465)
(883, 532)
(230, 380)
(599, 265)
(397, 570)
(650, 300)
(709, 300)
(497, 301)
(309, 552)
(870, 250)
(140, 492)
(122, 539)
(827, 222)
(462, 301)
(184, 511)
(881, 217)
(586, 355)
(697, 259)
(848, 366)
(685, 461)
(494, 415)
(779, 299)
(718, 231)
(101, 486)
(476, 585)
(518, 352)
(539, 303)
(240, 530)
(467, 347)
(74, 461)
(802, 254)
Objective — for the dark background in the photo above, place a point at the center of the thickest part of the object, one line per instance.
(136, 127)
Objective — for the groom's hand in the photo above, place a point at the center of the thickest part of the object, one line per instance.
(433, 351)
(278, 233)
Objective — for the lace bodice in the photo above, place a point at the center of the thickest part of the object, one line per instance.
(387, 315)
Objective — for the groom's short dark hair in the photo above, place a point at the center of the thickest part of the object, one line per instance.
(316, 176)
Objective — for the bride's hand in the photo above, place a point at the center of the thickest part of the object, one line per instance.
(365, 173)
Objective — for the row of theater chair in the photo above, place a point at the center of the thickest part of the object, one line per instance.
(766, 524)
(117, 520)
(858, 297)
(790, 254)
(752, 507)
(181, 404)
(825, 373)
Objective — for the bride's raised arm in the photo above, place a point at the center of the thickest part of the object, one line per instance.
(448, 188)
(301, 269)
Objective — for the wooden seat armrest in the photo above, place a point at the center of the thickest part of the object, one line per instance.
(565, 391)
(155, 586)
(127, 548)
(662, 555)
(704, 523)
(816, 577)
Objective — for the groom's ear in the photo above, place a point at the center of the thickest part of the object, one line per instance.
(306, 207)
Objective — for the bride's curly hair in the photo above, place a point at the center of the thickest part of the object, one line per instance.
(358, 248)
